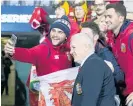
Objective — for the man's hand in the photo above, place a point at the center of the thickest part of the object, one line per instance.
(129, 99)
(9, 47)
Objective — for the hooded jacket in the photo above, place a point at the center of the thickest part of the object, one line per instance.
(45, 57)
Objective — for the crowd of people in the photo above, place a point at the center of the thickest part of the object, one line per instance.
(101, 45)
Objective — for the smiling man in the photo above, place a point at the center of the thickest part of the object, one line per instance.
(53, 46)
(121, 42)
(51, 55)
(100, 7)
(94, 85)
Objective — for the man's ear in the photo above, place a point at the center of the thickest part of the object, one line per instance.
(121, 18)
(87, 46)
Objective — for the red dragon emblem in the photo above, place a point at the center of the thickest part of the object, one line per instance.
(59, 93)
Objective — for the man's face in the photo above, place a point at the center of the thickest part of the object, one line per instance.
(79, 12)
(59, 12)
(100, 7)
(76, 51)
(57, 36)
(112, 19)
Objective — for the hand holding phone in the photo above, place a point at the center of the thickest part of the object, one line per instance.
(13, 39)
(10, 45)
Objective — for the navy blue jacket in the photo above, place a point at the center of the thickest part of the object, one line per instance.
(94, 85)
(106, 54)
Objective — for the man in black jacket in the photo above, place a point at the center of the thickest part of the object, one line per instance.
(7, 71)
(94, 85)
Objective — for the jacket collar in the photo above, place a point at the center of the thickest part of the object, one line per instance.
(124, 26)
(89, 54)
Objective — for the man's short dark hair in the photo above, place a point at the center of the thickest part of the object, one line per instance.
(119, 8)
(93, 26)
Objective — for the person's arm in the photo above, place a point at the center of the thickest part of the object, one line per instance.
(92, 82)
(30, 55)
(24, 54)
(129, 70)
(118, 73)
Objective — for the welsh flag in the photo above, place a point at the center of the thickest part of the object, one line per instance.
(56, 88)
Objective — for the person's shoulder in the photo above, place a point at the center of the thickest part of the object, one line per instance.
(94, 64)
(96, 61)
(46, 43)
(107, 52)
(131, 23)
(93, 59)
(129, 29)
(128, 24)
(43, 47)
(94, 56)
